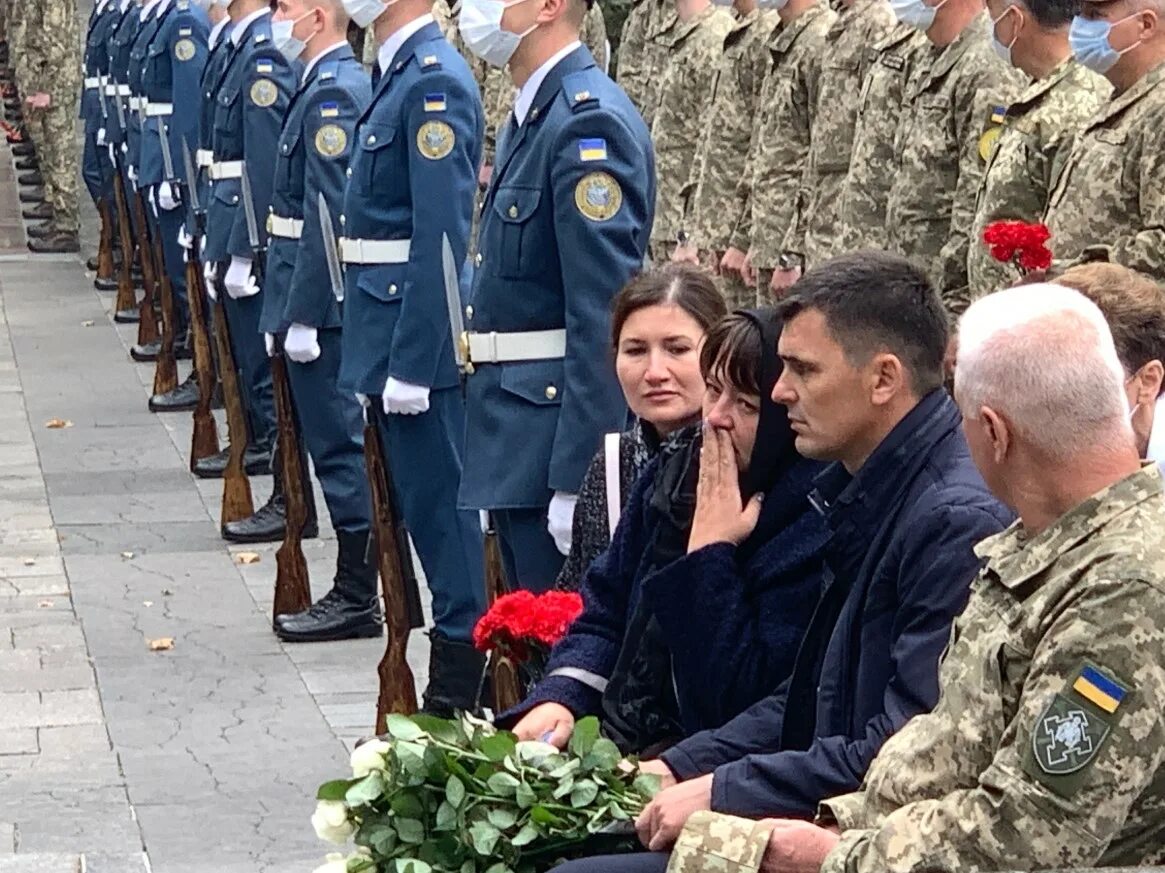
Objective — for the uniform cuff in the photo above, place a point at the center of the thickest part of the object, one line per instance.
(843, 810)
(844, 857)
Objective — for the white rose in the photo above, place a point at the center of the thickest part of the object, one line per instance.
(367, 757)
(330, 821)
(334, 863)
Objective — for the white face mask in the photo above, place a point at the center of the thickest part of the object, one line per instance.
(364, 12)
(1004, 51)
(288, 44)
(480, 24)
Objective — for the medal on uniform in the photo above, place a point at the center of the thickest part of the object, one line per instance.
(991, 134)
(435, 140)
(184, 49)
(264, 93)
(598, 196)
(331, 140)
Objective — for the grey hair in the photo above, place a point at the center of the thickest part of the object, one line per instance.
(1042, 356)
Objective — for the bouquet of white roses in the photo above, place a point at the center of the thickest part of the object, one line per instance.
(460, 796)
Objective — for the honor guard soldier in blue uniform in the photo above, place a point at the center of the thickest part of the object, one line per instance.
(171, 78)
(301, 316)
(409, 195)
(565, 224)
(96, 169)
(251, 99)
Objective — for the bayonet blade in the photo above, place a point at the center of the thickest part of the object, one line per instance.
(191, 178)
(249, 212)
(453, 301)
(167, 157)
(120, 108)
(331, 254)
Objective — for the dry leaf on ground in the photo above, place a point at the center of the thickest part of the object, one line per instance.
(127, 554)
(57, 423)
(86, 324)
(45, 604)
(162, 644)
(247, 558)
(28, 562)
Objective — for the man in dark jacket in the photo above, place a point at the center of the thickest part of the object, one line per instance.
(862, 345)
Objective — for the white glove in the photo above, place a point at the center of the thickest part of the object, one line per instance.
(237, 281)
(112, 153)
(208, 274)
(184, 239)
(125, 148)
(132, 173)
(404, 398)
(166, 198)
(483, 520)
(560, 519)
(362, 399)
(301, 343)
(101, 136)
(269, 342)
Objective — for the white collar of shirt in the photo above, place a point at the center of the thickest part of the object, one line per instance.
(148, 8)
(216, 32)
(102, 5)
(124, 5)
(388, 49)
(242, 25)
(314, 61)
(529, 91)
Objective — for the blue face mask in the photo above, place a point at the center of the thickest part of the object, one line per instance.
(1088, 39)
(915, 13)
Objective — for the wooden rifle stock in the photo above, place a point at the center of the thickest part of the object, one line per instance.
(237, 502)
(507, 686)
(126, 298)
(166, 366)
(398, 691)
(147, 322)
(292, 585)
(204, 440)
(105, 241)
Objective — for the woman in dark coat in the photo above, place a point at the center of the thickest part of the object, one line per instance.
(680, 635)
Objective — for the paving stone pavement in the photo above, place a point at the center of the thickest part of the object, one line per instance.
(114, 758)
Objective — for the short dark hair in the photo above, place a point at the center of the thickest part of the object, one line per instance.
(734, 350)
(876, 301)
(1053, 13)
(690, 288)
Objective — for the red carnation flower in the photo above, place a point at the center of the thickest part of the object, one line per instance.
(1019, 243)
(521, 620)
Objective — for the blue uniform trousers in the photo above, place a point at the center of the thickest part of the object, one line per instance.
(332, 429)
(424, 454)
(96, 170)
(528, 551)
(251, 361)
(641, 862)
(168, 223)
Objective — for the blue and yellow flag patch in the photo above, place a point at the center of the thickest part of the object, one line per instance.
(592, 149)
(435, 102)
(998, 113)
(264, 67)
(1097, 688)
(329, 110)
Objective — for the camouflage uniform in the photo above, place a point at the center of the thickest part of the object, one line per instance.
(1022, 764)
(652, 58)
(1109, 200)
(715, 208)
(813, 230)
(633, 65)
(1033, 144)
(54, 50)
(781, 135)
(594, 36)
(874, 157)
(951, 113)
(693, 50)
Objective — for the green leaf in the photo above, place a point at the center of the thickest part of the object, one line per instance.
(401, 727)
(366, 790)
(411, 831)
(455, 792)
(528, 834)
(335, 790)
(469, 867)
(497, 747)
(498, 868)
(485, 837)
(503, 784)
(646, 785)
(617, 812)
(583, 794)
(605, 755)
(446, 817)
(584, 737)
(526, 796)
(407, 804)
(566, 769)
(541, 815)
(411, 865)
(412, 758)
(441, 729)
(502, 818)
(564, 788)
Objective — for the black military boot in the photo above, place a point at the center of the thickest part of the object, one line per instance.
(27, 163)
(351, 610)
(147, 353)
(31, 180)
(256, 462)
(55, 243)
(23, 149)
(181, 399)
(268, 524)
(455, 671)
(32, 195)
(105, 285)
(38, 212)
(42, 230)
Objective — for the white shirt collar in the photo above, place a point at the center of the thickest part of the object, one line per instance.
(388, 49)
(102, 5)
(124, 5)
(216, 32)
(314, 61)
(242, 25)
(529, 91)
(148, 9)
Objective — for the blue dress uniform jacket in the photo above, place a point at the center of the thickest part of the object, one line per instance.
(120, 42)
(95, 164)
(172, 73)
(314, 150)
(138, 53)
(425, 125)
(565, 224)
(202, 146)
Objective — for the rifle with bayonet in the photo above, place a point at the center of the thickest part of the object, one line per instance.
(166, 366)
(398, 578)
(292, 584)
(507, 687)
(126, 297)
(204, 439)
(105, 239)
(147, 321)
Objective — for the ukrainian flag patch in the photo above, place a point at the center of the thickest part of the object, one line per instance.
(435, 102)
(998, 113)
(1097, 688)
(264, 67)
(592, 149)
(329, 110)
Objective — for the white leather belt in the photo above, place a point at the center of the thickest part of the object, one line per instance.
(285, 228)
(204, 157)
(92, 83)
(123, 91)
(111, 90)
(530, 345)
(374, 251)
(136, 103)
(226, 170)
(155, 109)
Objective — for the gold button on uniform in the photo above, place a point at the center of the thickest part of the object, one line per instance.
(551, 392)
